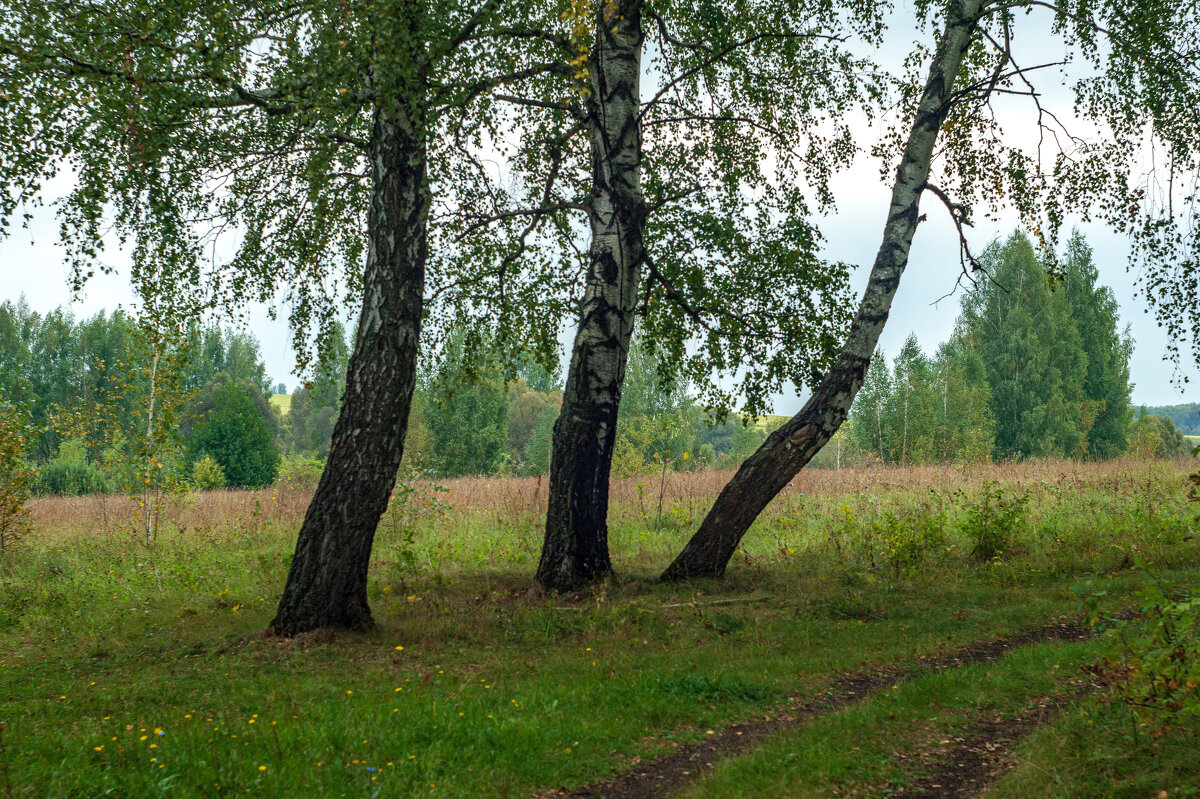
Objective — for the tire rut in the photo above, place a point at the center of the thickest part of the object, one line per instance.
(665, 775)
(981, 756)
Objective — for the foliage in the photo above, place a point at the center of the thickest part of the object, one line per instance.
(299, 473)
(468, 411)
(1154, 663)
(144, 445)
(70, 473)
(315, 404)
(65, 371)
(16, 477)
(923, 410)
(412, 503)
(535, 454)
(207, 474)
(1153, 436)
(995, 521)
(1186, 418)
(1106, 386)
(1032, 352)
(529, 411)
(1032, 369)
(234, 429)
(893, 542)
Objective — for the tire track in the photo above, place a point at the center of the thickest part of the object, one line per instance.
(667, 774)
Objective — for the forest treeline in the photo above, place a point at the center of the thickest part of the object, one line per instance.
(80, 382)
(1036, 367)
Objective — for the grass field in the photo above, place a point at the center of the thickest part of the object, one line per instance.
(844, 645)
(282, 403)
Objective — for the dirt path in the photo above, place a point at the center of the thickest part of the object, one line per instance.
(981, 756)
(665, 775)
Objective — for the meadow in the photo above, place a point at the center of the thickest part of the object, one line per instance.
(878, 628)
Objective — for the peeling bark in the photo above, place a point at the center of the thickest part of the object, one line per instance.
(575, 550)
(765, 473)
(327, 581)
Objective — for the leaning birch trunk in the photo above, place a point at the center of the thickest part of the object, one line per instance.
(788, 449)
(575, 551)
(327, 581)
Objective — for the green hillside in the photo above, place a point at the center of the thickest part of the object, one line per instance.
(282, 403)
(1186, 417)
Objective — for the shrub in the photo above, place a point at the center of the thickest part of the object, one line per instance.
(896, 540)
(910, 536)
(70, 475)
(298, 473)
(207, 474)
(994, 521)
(237, 433)
(1154, 662)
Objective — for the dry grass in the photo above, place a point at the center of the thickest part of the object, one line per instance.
(510, 499)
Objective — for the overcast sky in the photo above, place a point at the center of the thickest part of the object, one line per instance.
(32, 264)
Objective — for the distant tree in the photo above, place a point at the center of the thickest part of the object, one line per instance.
(527, 409)
(535, 455)
(1186, 417)
(145, 446)
(871, 411)
(911, 405)
(1106, 387)
(280, 388)
(315, 404)
(418, 443)
(16, 476)
(234, 428)
(964, 428)
(1153, 436)
(1032, 352)
(468, 411)
(70, 474)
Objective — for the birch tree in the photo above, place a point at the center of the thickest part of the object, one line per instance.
(1141, 94)
(279, 151)
(669, 185)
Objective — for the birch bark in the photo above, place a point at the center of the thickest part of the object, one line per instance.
(575, 549)
(327, 581)
(788, 449)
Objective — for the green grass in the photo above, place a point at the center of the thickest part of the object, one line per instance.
(503, 692)
(282, 403)
(898, 736)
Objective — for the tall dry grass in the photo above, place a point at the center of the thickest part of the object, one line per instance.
(524, 498)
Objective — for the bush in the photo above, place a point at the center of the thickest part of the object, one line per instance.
(298, 473)
(897, 541)
(207, 474)
(236, 432)
(1154, 662)
(70, 475)
(994, 521)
